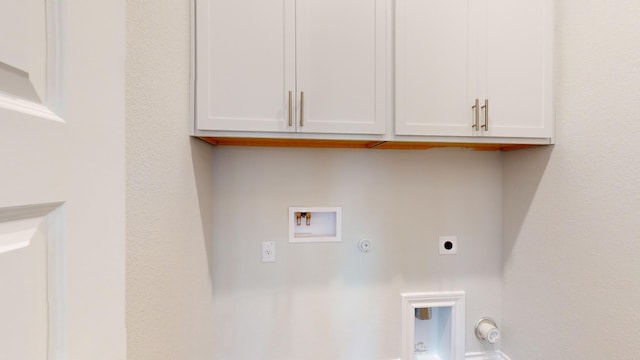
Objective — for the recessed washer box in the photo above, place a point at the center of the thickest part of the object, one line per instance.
(315, 224)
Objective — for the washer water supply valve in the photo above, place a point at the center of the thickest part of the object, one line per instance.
(300, 215)
(487, 330)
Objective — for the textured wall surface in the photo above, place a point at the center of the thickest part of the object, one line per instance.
(571, 253)
(328, 300)
(571, 244)
(168, 192)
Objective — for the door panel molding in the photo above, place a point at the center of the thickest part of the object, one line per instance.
(17, 89)
(18, 224)
(54, 100)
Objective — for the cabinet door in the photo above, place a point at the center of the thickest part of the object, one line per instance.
(436, 77)
(341, 66)
(245, 64)
(519, 68)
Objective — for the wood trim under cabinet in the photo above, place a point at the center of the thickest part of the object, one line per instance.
(358, 144)
(310, 143)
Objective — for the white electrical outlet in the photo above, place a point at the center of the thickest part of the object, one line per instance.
(268, 251)
(448, 245)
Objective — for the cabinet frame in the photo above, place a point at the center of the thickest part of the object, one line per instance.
(292, 113)
(388, 140)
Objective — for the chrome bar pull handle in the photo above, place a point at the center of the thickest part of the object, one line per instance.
(486, 115)
(301, 108)
(290, 109)
(476, 121)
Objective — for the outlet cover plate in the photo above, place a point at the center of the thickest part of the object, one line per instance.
(448, 245)
(268, 251)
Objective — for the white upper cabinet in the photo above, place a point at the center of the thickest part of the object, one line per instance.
(519, 70)
(341, 65)
(434, 81)
(245, 64)
(313, 66)
(474, 68)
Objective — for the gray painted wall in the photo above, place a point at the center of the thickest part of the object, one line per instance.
(571, 227)
(330, 301)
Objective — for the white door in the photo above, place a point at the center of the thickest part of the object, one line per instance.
(62, 180)
(519, 68)
(245, 65)
(341, 55)
(436, 72)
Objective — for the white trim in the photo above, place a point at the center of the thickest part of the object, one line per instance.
(192, 68)
(412, 301)
(497, 355)
(486, 355)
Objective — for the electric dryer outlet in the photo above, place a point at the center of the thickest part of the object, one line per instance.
(448, 245)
